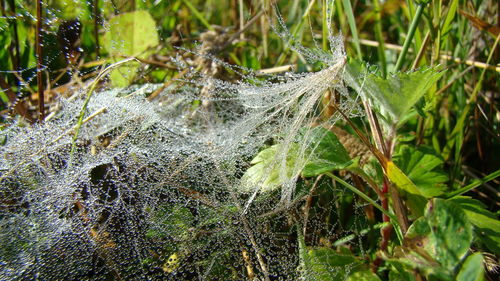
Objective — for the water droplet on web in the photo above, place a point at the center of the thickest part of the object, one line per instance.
(150, 179)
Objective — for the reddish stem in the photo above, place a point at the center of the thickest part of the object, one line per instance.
(38, 43)
(386, 231)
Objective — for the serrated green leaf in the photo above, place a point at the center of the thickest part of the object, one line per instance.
(399, 92)
(472, 269)
(264, 175)
(422, 166)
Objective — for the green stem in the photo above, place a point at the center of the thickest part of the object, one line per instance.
(409, 38)
(325, 24)
(473, 185)
(380, 38)
(393, 218)
(197, 14)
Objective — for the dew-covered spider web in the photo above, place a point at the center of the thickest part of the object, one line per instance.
(157, 188)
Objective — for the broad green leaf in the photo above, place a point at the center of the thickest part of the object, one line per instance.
(486, 224)
(265, 172)
(398, 92)
(327, 153)
(124, 75)
(451, 231)
(472, 269)
(129, 34)
(422, 167)
(437, 242)
(324, 153)
(68, 10)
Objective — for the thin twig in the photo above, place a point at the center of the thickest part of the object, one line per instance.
(243, 29)
(246, 227)
(447, 57)
(308, 205)
(421, 53)
(167, 84)
(152, 62)
(277, 69)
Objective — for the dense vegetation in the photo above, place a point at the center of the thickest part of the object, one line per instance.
(248, 140)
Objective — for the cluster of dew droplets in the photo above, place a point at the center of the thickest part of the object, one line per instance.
(150, 183)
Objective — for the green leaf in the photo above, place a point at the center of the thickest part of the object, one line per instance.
(129, 34)
(399, 273)
(328, 265)
(452, 232)
(472, 269)
(3, 97)
(437, 242)
(363, 275)
(67, 10)
(422, 166)
(397, 93)
(323, 153)
(171, 222)
(486, 224)
(265, 173)
(328, 153)
(450, 15)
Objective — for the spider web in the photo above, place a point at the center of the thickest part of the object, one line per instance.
(154, 190)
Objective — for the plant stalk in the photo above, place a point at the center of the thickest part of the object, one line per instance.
(380, 37)
(409, 37)
(474, 184)
(393, 218)
(39, 61)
